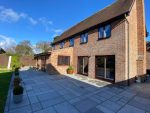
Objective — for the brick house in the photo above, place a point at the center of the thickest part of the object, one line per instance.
(42, 60)
(109, 45)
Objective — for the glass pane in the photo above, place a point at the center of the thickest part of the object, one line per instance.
(110, 67)
(80, 65)
(86, 37)
(71, 42)
(85, 65)
(82, 38)
(101, 32)
(108, 31)
(100, 66)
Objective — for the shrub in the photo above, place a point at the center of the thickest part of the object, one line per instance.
(70, 68)
(15, 62)
(17, 71)
(18, 90)
(17, 81)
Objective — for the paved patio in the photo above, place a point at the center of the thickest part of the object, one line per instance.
(45, 93)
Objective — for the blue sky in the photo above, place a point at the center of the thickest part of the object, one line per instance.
(38, 20)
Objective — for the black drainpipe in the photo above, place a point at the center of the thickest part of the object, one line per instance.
(128, 50)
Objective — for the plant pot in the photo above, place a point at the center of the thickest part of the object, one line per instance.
(17, 98)
(17, 81)
(70, 72)
(139, 79)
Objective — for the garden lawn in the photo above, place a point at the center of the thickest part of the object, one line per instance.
(5, 77)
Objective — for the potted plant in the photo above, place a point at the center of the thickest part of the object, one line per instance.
(16, 71)
(17, 81)
(141, 79)
(18, 94)
(70, 70)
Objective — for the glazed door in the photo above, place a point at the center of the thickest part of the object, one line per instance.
(105, 67)
(83, 65)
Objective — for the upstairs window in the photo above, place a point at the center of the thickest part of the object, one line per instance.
(104, 32)
(62, 45)
(64, 60)
(72, 42)
(84, 38)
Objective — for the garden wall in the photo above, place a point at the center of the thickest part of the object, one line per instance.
(3, 60)
(27, 61)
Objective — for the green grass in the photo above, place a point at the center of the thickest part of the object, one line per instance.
(5, 77)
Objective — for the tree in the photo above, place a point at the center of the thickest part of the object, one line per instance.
(56, 38)
(10, 50)
(24, 48)
(43, 46)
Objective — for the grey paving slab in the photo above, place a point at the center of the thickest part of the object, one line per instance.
(52, 102)
(36, 107)
(140, 103)
(48, 96)
(73, 101)
(49, 110)
(33, 99)
(111, 106)
(94, 110)
(130, 109)
(85, 105)
(45, 93)
(106, 94)
(69, 96)
(104, 109)
(65, 108)
(25, 109)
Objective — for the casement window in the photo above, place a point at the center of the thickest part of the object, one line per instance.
(104, 32)
(84, 38)
(62, 45)
(72, 42)
(64, 60)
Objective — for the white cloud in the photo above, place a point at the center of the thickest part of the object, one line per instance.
(6, 42)
(58, 30)
(44, 20)
(9, 15)
(46, 23)
(34, 22)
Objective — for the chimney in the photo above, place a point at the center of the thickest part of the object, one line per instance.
(141, 35)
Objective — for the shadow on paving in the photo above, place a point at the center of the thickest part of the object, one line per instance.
(45, 93)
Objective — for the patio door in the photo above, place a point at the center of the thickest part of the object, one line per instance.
(83, 65)
(105, 67)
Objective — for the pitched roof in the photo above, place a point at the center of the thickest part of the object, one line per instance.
(119, 8)
(42, 54)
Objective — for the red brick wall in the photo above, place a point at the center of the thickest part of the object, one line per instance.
(27, 61)
(141, 34)
(4, 60)
(116, 45)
